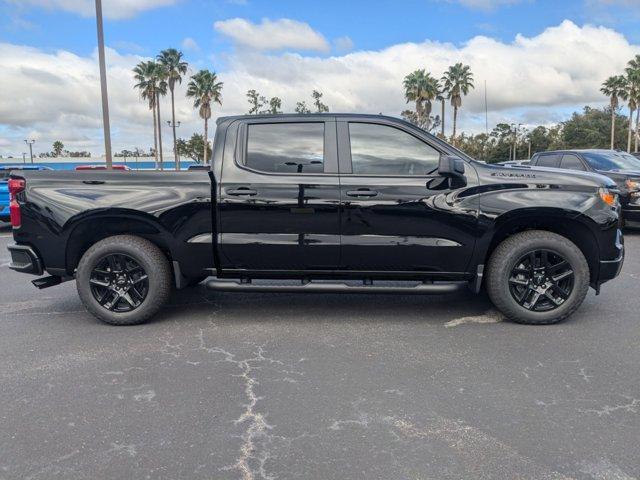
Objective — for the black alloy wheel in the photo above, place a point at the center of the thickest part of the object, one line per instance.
(119, 283)
(541, 280)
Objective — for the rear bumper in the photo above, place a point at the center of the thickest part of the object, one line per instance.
(610, 269)
(24, 259)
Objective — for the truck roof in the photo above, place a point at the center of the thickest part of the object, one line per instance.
(310, 115)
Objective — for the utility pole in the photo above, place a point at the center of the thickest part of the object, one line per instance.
(175, 147)
(516, 129)
(103, 87)
(30, 143)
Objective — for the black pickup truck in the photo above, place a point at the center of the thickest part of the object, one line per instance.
(321, 203)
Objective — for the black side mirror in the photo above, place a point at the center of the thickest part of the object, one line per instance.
(450, 166)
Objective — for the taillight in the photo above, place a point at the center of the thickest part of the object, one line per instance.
(16, 185)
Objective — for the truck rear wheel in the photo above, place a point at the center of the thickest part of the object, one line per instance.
(123, 280)
(537, 277)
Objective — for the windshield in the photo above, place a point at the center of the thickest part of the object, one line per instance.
(610, 161)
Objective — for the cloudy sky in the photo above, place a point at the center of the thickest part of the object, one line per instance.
(541, 59)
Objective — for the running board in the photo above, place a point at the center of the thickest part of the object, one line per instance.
(317, 287)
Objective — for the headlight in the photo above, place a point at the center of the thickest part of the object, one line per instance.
(632, 185)
(608, 196)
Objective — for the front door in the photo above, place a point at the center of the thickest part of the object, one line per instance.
(280, 196)
(398, 214)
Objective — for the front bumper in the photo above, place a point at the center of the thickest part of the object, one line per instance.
(610, 269)
(24, 259)
(631, 216)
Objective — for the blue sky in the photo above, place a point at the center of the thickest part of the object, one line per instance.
(541, 59)
(370, 25)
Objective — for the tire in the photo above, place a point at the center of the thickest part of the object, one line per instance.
(509, 267)
(130, 250)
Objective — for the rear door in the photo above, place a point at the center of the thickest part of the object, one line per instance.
(398, 213)
(280, 196)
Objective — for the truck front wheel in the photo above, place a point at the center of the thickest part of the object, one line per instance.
(123, 280)
(537, 277)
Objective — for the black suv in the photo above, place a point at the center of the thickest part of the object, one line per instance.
(621, 167)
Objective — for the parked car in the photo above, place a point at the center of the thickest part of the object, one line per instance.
(4, 188)
(621, 167)
(102, 167)
(339, 203)
(515, 163)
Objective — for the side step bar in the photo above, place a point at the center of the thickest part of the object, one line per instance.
(317, 287)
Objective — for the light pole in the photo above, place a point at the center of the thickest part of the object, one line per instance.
(516, 129)
(175, 147)
(30, 143)
(24, 159)
(103, 86)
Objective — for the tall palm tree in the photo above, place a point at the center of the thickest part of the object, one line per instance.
(457, 82)
(171, 59)
(420, 87)
(204, 88)
(613, 87)
(633, 73)
(161, 91)
(441, 97)
(146, 76)
(630, 95)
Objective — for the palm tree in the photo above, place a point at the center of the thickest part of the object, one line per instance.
(146, 76)
(613, 88)
(633, 74)
(441, 97)
(630, 95)
(457, 82)
(420, 87)
(171, 59)
(161, 91)
(204, 88)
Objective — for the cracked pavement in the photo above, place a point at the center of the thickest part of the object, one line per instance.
(282, 386)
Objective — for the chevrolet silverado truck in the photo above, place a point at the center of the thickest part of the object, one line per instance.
(321, 203)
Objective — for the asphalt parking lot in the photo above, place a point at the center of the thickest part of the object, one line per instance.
(237, 386)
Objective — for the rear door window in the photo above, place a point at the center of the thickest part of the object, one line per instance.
(549, 160)
(572, 162)
(286, 147)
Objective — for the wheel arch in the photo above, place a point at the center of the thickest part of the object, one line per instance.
(575, 227)
(95, 226)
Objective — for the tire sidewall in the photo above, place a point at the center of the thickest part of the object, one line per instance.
(89, 261)
(569, 252)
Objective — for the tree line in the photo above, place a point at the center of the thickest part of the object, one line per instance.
(159, 77)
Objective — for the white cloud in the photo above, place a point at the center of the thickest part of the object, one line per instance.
(190, 44)
(56, 95)
(280, 34)
(343, 44)
(113, 9)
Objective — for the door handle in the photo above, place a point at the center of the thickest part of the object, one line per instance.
(362, 192)
(93, 182)
(242, 191)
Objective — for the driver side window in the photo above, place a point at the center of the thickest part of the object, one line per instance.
(385, 150)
